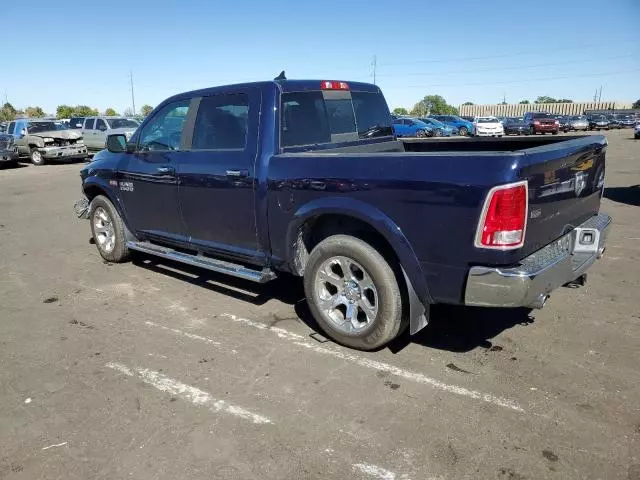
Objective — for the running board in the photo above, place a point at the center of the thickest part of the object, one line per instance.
(220, 266)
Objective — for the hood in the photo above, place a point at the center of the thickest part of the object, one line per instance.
(59, 134)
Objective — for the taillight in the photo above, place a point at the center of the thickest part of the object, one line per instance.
(536, 122)
(332, 85)
(503, 220)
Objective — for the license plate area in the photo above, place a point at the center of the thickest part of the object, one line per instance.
(586, 240)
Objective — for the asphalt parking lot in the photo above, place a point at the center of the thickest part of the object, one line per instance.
(150, 370)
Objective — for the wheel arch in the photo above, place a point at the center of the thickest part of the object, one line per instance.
(92, 187)
(332, 215)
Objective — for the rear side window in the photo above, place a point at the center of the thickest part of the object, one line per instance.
(309, 118)
(101, 125)
(88, 124)
(12, 128)
(221, 123)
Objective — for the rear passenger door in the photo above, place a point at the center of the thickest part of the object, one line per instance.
(217, 177)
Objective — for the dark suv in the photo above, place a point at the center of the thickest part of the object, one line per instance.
(541, 122)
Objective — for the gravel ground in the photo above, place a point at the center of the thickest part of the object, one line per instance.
(154, 371)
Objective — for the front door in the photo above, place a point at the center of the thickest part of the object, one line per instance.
(149, 179)
(217, 179)
(100, 134)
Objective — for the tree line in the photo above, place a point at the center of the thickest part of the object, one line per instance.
(437, 105)
(9, 112)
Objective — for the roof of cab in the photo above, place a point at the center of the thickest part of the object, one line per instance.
(284, 85)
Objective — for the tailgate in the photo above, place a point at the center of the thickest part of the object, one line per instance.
(566, 181)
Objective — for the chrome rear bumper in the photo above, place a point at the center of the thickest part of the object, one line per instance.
(529, 284)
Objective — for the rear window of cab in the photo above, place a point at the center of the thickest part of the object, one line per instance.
(315, 117)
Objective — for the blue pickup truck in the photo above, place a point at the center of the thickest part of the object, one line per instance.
(307, 177)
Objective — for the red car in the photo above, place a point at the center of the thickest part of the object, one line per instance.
(540, 122)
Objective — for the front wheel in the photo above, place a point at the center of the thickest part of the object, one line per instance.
(108, 230)
(463, 131)
(421, 134)
(36, 157)
(353, 293)
(555, 132)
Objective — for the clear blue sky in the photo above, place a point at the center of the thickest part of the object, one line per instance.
(480, 50)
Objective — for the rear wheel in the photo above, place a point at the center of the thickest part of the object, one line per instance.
(463, 131)
(532, 131)
(555, 132)
(421, 134)
(353, 293)
(36, 157)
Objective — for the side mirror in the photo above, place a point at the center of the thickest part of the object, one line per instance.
(117, 143)
(23, 132)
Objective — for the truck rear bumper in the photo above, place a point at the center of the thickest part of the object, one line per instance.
(529, 284)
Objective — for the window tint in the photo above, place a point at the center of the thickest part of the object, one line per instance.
(304, 120)
(341, 116)
(74, 121)
(372, 114)
(101, 125)
(88, 124)
(164, 130)
(12, 128)
(221, 123)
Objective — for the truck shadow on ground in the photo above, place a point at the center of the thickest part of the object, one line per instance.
(628, 195)
(451, 328)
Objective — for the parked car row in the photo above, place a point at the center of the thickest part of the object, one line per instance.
(431, 126)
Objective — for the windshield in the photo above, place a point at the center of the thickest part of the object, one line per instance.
(37, 127)
(61, 126)
(434, 122)
(542, 115)
(488, 120)
(121, 123)
(578, 117)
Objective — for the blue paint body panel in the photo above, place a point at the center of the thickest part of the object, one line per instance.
(424, 197)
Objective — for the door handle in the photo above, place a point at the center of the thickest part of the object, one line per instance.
(238, 173)
(166, 170)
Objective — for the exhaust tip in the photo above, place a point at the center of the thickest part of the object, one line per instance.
(601, 252)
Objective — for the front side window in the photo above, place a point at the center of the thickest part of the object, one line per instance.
(221, 123)
(101, 125)
(164, 129)
(88, 124)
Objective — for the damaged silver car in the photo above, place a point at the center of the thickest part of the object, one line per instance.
(43, 140)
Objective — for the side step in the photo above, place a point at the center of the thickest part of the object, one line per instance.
(220, 266)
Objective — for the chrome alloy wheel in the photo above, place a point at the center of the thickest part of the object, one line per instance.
(346, 294)
(103, 230)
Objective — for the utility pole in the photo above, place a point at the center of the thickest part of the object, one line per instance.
(6, 97)
(504, 98)
(133, 98)
(595, 96)
(374, 64)
(600, 95)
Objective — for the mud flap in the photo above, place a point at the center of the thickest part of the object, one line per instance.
(418, 313)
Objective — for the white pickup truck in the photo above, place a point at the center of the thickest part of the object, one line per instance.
(96, 129)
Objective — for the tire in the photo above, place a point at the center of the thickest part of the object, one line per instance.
(463, 131)
(555, 132)
(368, 267)
(532, 131)
(36, 157)
(421, 134)
(108, 230)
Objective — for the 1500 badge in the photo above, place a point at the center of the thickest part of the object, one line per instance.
(126, 186)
